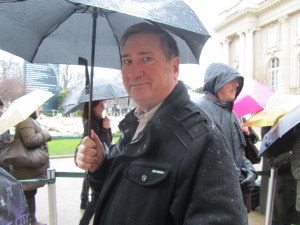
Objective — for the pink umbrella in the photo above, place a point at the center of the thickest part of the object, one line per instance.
(253, 97)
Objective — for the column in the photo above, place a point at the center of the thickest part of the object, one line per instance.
(249, 54)
(241, 53)
(285, 82)
(225, 50)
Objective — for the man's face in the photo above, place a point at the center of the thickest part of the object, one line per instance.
(148, 76)
(228, 91)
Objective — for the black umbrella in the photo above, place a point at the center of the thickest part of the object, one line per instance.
(281, 138)
(103, 90)
(60, 31)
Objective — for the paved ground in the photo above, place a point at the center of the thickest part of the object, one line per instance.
(68, 197)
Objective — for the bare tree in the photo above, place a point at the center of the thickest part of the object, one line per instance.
(12, 88)
(70, 77)
(78, 79)
(12, 85)
(65, 77)
(10, 68)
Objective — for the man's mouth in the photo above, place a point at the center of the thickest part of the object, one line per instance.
(137, 85)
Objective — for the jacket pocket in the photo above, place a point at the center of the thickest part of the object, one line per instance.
(146, 175)
(145, 187)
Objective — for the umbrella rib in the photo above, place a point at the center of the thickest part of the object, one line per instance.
(109, 23)
(113, 90)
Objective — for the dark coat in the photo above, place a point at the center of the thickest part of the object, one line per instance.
(104, 134)
(296, 164)
(32, 136)
(4, 138)
(216, 76)
(177, 171)
(284, 208)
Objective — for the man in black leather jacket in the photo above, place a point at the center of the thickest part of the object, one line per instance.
(171, 165)
(222, 84)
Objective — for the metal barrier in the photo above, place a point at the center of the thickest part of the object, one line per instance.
(76, 137)
(51, 179)
(270, 196)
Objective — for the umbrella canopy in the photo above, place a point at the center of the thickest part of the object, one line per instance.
(60, 31)
(277, 106)
(22, 108)
(103, 90)
(280, 138)
(253, 98)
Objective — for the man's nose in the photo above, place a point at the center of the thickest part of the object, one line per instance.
(136, 70)
(236, 83)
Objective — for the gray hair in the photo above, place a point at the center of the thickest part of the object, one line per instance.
(168, 43)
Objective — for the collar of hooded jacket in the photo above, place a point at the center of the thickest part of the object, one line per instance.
(216, 76)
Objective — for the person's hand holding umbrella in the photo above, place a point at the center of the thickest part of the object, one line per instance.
(90, 153)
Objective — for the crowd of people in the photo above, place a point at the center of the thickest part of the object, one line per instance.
(176, 162)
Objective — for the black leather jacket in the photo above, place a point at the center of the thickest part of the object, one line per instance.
(176, 172)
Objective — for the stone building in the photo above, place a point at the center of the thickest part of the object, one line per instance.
(261, 39)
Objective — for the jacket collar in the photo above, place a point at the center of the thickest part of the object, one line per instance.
(226, 105)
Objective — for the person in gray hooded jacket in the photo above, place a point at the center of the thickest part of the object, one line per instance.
(222, 84)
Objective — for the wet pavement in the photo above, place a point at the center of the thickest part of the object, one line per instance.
(68, 197)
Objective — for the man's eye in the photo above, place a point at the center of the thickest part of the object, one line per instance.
(126, 61)
(147, 58)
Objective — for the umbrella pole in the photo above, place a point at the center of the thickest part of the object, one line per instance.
(270, 197)
(95, 15)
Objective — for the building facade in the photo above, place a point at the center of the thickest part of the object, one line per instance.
(43, 76)
(261, 39)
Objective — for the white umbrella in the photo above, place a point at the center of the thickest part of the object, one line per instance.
(22, 108)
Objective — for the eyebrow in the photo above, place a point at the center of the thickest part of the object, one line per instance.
(140, 54)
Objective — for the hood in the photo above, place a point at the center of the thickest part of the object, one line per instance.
(219, 74)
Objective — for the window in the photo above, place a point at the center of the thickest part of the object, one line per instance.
(274, 73)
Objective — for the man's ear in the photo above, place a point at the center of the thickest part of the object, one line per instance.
(176, 62)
